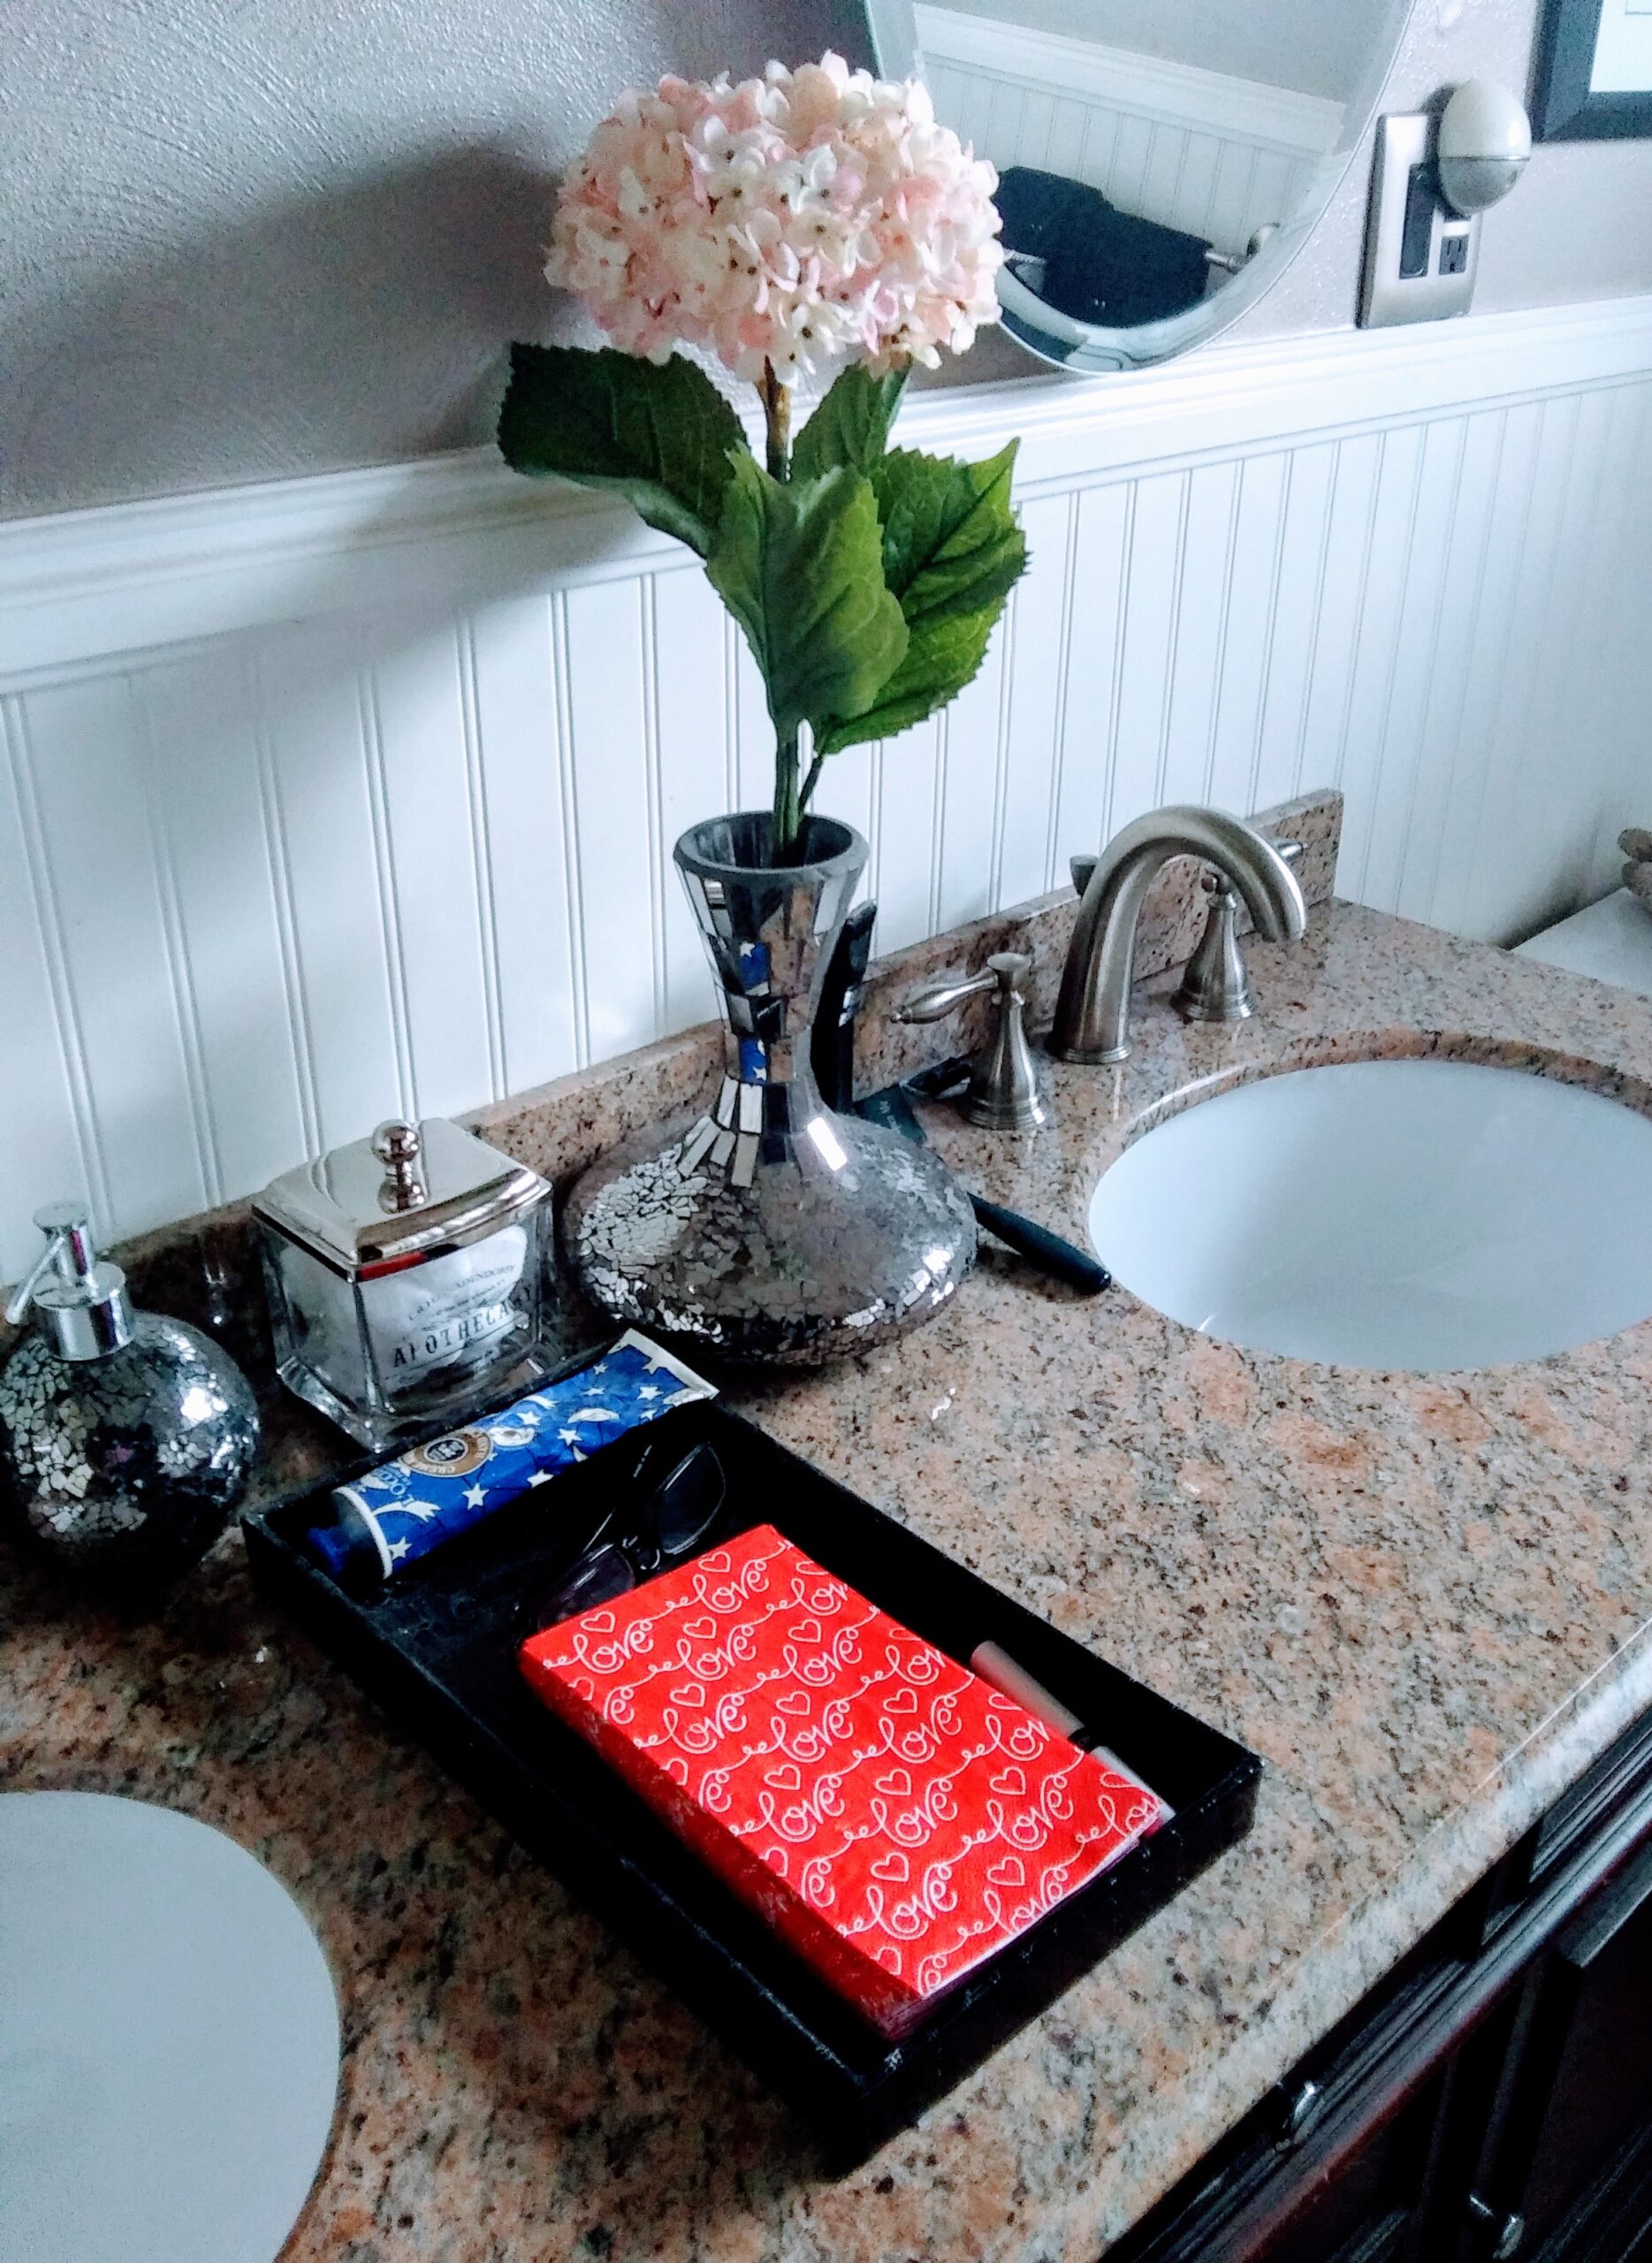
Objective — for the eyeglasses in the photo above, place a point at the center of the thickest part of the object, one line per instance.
(667, 1519)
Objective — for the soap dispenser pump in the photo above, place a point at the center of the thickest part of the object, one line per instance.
(126, 1437)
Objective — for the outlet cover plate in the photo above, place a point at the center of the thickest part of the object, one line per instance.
(1445, 283)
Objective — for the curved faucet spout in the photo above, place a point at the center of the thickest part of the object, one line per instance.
(1093, 1013)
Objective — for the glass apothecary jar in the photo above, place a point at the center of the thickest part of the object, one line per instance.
(407, 1277)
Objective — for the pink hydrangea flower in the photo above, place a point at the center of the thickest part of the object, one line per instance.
(790, 220)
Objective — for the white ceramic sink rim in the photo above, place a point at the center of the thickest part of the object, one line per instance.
(1428, 1214)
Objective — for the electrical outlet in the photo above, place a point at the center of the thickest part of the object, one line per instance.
(1420, 256)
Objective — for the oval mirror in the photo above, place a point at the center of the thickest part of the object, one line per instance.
(1161, 162)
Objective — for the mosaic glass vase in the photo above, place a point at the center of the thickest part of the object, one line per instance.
(771, 1230)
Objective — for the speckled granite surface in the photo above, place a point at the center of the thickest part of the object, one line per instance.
(1426, 1600)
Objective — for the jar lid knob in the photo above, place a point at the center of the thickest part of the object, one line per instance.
(398, 1147)
(81, 1301)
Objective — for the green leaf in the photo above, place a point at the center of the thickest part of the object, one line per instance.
(800, 567)
(952, 552)
(660, 433)
(950, 540)
(944, 652)
(851, 425)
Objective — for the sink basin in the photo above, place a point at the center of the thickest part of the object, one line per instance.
(1419, 1215)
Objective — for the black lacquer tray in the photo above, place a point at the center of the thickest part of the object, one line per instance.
(437, 1650)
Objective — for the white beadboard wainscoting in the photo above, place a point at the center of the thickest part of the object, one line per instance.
(1192, 148)
(348, 794)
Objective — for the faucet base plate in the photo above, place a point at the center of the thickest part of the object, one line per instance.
(1027, 1113)
(1090, 1057)
(1195, 1009)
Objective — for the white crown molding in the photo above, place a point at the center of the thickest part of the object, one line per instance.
(123, 579)
(1174, 94)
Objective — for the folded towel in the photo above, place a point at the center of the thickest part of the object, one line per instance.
(1100, 265)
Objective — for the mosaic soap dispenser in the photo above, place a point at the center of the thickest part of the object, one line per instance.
(126, 1437)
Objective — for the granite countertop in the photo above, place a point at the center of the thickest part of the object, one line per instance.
(1425, 1599)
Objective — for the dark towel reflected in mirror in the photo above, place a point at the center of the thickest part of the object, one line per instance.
(1085, 258)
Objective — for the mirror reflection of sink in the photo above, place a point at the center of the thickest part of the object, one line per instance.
(1400, 1214)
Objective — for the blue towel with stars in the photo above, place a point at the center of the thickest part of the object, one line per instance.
(428, 1494)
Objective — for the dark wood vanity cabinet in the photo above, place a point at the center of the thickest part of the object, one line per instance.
(1567, 2152)
(1492, 2100)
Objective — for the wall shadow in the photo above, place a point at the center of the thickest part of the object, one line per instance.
(360, 325)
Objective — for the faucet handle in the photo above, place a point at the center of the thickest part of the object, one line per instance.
(1003, 1092)
(1081, 868)
(947, 998)
(1214, 985)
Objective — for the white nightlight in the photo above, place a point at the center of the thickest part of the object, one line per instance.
(1485, 143)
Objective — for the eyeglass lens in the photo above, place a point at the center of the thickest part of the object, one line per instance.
(598, 1578)
(686, 1503)
(672, 1521)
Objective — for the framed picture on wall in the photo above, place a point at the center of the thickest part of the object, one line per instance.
(1594, 70)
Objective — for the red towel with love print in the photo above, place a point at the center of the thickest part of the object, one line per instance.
(894, 1818)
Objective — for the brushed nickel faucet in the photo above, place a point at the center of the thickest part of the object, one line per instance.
(1092, 1012)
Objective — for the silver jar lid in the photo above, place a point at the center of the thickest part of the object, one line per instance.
(79, 1300)
(411, 1193)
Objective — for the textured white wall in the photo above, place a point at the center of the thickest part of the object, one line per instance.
(242, 240)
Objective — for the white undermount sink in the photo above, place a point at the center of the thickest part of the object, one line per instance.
(1419, 1215)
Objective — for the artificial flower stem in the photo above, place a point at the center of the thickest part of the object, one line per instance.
(787, 819)
(777, 417)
